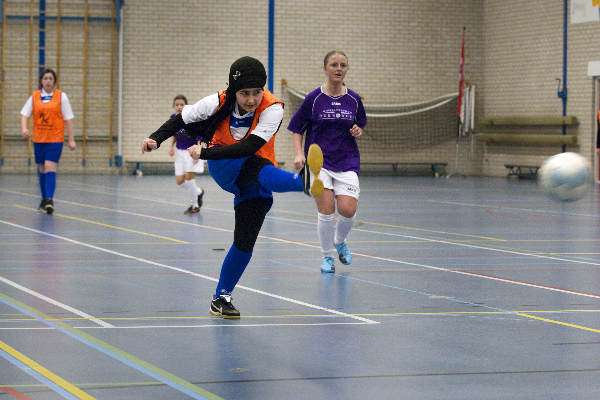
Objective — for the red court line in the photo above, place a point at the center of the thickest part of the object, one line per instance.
(538, 285)
(14, 393)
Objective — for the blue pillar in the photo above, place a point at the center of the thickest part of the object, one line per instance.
(42, 38)
(118, 5)
(271, 43)
(562, 94)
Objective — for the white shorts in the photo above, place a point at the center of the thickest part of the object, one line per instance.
(185, 163)
(342, 183)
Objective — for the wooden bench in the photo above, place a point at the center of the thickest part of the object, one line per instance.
(522, 171)
(527, 139)
(541, 131)
(544, 120)
(518, 137)
(435, 167)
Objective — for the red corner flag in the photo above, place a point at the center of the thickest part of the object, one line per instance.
(461, 75)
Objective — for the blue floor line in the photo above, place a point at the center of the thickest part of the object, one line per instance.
(109, 353)
(37, 376)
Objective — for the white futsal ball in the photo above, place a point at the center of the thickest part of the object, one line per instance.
(565, 176)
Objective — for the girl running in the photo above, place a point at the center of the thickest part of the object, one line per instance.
(333, 117)
(185, 167)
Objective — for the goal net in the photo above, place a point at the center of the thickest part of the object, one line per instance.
(397, 131)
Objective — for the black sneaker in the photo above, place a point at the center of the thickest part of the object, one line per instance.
(221, 307)
(305, 176)
(200, 196)
(192, 210)
(49, 206)
(42, 206)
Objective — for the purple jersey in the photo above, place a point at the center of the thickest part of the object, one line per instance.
(327, 121)
(182, 140)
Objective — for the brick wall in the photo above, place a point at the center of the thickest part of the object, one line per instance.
(523, 50)
(399, 52)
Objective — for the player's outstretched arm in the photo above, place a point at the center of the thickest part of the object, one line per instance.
(168, 129)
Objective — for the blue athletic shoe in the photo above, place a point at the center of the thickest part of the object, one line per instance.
(343, 253)
(327, 265)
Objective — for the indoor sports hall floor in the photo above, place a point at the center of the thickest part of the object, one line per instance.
(461, 288)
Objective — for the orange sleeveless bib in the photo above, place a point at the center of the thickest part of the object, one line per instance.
(48, 122)
(223, 136)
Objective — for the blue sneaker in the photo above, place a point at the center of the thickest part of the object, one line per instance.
(343, 253)
(327, 265)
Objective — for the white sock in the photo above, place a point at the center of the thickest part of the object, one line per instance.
(342, 228)
(326, 230)
(184, 185)
(191, 189)
(198, 189)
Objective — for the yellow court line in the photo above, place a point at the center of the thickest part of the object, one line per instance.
(162, 317)
(96, 385)
(412, 228)
(108, 226)
(429, 230)
(585, 328)
(358, 221)
(555, 240)
(532, 252)
(74, 390)
(11, 244)
(479, 312)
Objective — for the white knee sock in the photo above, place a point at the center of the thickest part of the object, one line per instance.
(192, 191)
(342, 228)
(196, 187)
(326, 230)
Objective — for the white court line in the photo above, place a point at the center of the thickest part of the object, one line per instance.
(472, 246)
(185, 326)
(185, 271)
(226, 211)
(493, 278)
(514, 252)
(500, 207)
(492, 249)
(228, 325)
(56, 303)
